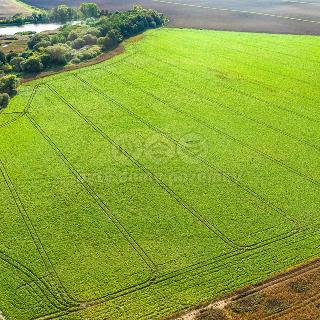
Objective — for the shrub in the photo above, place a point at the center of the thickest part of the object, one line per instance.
(16, 63)
(26, 54)
(45, 60)
(298, 287)
(32, 65)
(11, 55)
(4, 100)
(9, 85)
(89, 53)
(152, 24)
(7, 68)
(58, 38)
(58, 54)
(38, 37)
(2, 57)
(73, 36)
(275, 305)
(63, 13)
(78, 43)
(75, 61)
(248, 303)
(90, 10)
(107, 43)
(89, 39)
(93, 31)
(42, 44)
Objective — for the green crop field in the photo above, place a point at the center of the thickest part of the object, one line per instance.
(171, 174)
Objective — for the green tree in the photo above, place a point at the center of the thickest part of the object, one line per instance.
(73, 35)
(106, 43)
(35, 39)
(63, 13)
(89, 39)
(11, 55)
(4, 100)
(32, 65)
(16, 63)
(78, 43)
(58, 53)
(90, 10)
(42, 44)
(7, 68)
(9, 84)
(2, 57)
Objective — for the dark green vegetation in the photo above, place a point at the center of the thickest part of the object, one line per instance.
(60, 13)
(182, 169)
(73, 44)
(8, 88)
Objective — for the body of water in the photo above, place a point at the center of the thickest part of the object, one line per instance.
(11, 30)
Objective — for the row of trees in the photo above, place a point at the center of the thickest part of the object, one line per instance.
(61, 14)
(75, 43)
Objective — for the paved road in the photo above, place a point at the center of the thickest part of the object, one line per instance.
(275, 16)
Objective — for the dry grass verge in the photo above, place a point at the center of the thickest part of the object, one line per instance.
(294, 294)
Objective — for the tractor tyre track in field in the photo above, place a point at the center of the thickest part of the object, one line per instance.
(209, 268)
(264, 244)
(255, 81)
(144, 286)
(225, 174)
(282, 277)
(44, 288)
(61, 295)
(96, 198)
(238, 113)
(266, 49)
(157, 279)
(233, 89)
(21, 114)
(216, 129)
(155, 178)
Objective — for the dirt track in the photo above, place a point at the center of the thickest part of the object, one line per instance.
(275, 16)
(300, 305)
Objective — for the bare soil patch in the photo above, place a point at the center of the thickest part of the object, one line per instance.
(294, 294)
(272, 16)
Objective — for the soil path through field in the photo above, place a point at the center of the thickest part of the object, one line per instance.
(295, 273)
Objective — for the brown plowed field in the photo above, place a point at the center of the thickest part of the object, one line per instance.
(274, 16)
(293, 295)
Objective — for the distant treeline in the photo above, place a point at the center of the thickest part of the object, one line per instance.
(72, 44)
(60, 14)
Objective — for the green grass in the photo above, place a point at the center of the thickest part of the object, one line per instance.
(173, 173)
